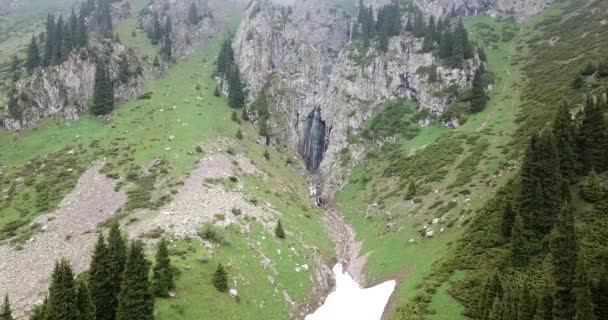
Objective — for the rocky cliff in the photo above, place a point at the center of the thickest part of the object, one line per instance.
(520, 8)
(65, 91)
(187, 35)
(323, 86)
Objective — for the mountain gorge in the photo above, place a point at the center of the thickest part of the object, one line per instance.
(228, 155)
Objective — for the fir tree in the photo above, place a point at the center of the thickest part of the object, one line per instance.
(593, 138)
(278, 231)
(117, 258)
(526, 305)
(86, 308)
(135, 301)
(445, 45)
(104, 19)
(564, 132)
(156, 62)
(62, 302)
(193, 17)
(507, 223)
(239, 134)
(244, 114)
(234, 117)
(5, 311)
(519, 243)
(38, 312)
(544, 309)
(33, 56)
(479, 98)
(103, 93)
(411, 190)
(266, 153)
(100, 283)
(563, 247)
(220, 279)
(593, 189)
(458, 45)
(582, 290)
(600, 294)
(236, 96)
(216, 91)
(162, 273)
(81, 30)
(58, 52)
(490, 292)
(49, 45)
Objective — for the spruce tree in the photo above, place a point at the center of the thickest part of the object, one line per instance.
(5, 311)
(117, 258)
(193, 17)
(600, 294)
(236, 96)
(411, 189)
(479, 98)
(216, 91)
(490, 291)
(234, 117)
(135, 301)
(593, 188)
(593, 138)
(62, 300)
(156, 62)
(508, 220)
(239, 134)
(220, 279)
(278, 231)
(81, 30)
(38, 312)
(100, 283)
(104, 19)
(162, 273)
(103, 93)
(519, 243)
(458, 45)
(563, 247)
(582, 290)
(544, 309)
(49, 45)
(244, 114)
(86, 308)
(564, 131)
(526, 305)
(33, 56)
(58, 55)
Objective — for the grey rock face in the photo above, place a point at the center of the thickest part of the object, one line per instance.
(65, 91)
(317, 79)
(520, 8)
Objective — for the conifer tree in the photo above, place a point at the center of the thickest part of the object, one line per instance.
(278, 231)
(103, 93)
(446, 44)
(236, 96)
(234, 117)
(593, 190)
(593, 138)
(507, 223)
(216, 91)
(5, 311)
(411, 190)
(491, 290)
(600, 294)
(582, 290)
(38, 312)
(81, 29)
(193, 17)
(33, 56)
(162, 273)
(104, 19)
(519, 243)
(563, 247)
(564, 131)
(58, 55)
(239, 134)
(479, 98)
(544, 309)
(220, 279)
(100, 283)
(526, 305)
(156, 62)
(86, 308)
(244, 114)
(117, 258)
(49, 44)
(62, 302)
(135, 301)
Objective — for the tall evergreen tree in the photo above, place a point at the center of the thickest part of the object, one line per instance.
(508, 220)
(103, 93)
(220, 279)
(104, 19)
(582, 290)
(62, 302)
(49, 45)
(81, 29)
(490, 292)
(278, 231)
(564, 131)
(458, 45)
(58, 55)
(600, 294)
(86, 308)
(593, 138)
(236, 96)
(33, 56)
(101, 286)
(162, 273)
(479, 98)
(526, 305)
(117, 259)
(544, 309)
(135, 301)
(5, 312)
(563, 247)
(193, 16)
(519, 243)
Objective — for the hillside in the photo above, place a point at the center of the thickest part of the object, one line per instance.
(457, 148)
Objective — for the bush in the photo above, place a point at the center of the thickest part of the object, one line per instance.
(213, 234)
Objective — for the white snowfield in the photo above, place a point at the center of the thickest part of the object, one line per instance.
(352, 302)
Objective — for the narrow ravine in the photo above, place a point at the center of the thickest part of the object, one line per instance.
(349, 300)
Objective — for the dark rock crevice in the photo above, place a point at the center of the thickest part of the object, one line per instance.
(313, 146)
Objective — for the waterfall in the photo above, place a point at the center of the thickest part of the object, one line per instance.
(314, 140)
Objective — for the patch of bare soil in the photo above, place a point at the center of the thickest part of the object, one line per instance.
(199, 200)
(68, 232)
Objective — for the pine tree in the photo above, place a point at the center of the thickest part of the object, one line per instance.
(162, 273)
(62, 300)
(117, 259)
(593, 189)
(236, 96)
(411, 190)
(458, 45)
(239, 134)
(58, 55)
(278, 231)
(33, 56)
(234, 117)
(5, 311)
(86, 308)
(100, 283)
(193, 17)
(266, 154)
(104, 19)
(216, 91)
(445, 45)
(600, 294)
(49, 45)
(479, 98)
(593, 138)
(81, 30)
(70, 34)
(482, 54)
(490, 292)
(135, 301)
(544, 309)
(220, 279)
(157, 30)
(38, 312)
(563, 247)
(156, 62)
(564, 131)
(519, 243)
(103, 93)
(508, 220)
(582, 290)
(526, 305)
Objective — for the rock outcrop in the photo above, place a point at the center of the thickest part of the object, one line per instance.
(65, 91)
(323, 86)
(522, 9)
